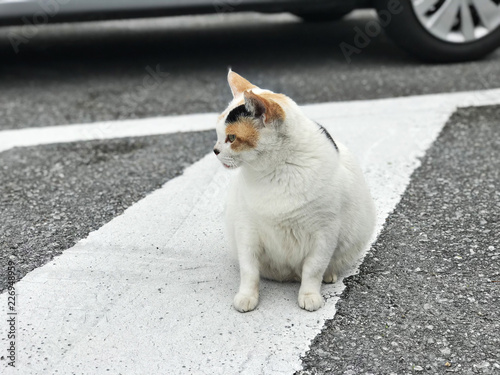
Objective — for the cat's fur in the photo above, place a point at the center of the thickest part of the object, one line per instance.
(299, 208)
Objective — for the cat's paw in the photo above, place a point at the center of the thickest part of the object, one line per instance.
(310, 301)
(330, 278)
(245, 302)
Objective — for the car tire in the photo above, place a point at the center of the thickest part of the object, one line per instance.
(408, 32)
(326, 16)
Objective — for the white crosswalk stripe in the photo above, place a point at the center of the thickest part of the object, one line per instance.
(151, 291)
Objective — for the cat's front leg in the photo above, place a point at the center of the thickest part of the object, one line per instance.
(248, 295)
(313, 269)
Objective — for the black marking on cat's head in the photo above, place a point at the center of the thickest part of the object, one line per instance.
(236, 113)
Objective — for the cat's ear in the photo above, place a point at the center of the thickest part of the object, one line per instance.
(265, 109)
(237, 83)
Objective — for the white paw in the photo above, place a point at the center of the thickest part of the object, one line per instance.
(330, 278)
(244, 302)
(310, 301)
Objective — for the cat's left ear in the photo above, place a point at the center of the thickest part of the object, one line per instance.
(237, 83)
(265, 109)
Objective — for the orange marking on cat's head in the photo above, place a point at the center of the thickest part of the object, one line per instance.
(237, 83)
(246, 134)
(281, 99)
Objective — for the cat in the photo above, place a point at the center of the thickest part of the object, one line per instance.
(299, 208)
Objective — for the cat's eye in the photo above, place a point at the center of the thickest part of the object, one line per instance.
(231, 137)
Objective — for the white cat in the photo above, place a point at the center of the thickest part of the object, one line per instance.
(299, 208)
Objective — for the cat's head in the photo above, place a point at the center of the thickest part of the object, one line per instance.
(250, 130)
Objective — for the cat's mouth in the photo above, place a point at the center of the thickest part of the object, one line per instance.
(227, 166)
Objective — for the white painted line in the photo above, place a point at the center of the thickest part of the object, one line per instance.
(105, 130)
(150, 292)
(198, 122)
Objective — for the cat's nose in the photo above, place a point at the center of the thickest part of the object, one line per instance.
(216, 151)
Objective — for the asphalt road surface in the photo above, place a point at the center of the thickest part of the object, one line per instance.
(426, 299)
(427, 296)
(95, 71)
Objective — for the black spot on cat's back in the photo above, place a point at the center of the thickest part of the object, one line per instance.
(325, 132)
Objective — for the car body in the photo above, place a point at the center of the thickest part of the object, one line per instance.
(435, 30)
(12, 10)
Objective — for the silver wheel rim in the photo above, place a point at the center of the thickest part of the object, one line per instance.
(458, 21)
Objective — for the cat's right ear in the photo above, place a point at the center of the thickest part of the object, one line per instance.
(237, 83)
(265, 109)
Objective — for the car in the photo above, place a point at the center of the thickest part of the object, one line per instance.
(433, 30)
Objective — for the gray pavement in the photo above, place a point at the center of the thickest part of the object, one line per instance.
(52, 196)
(427, 294)
(427, 297)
